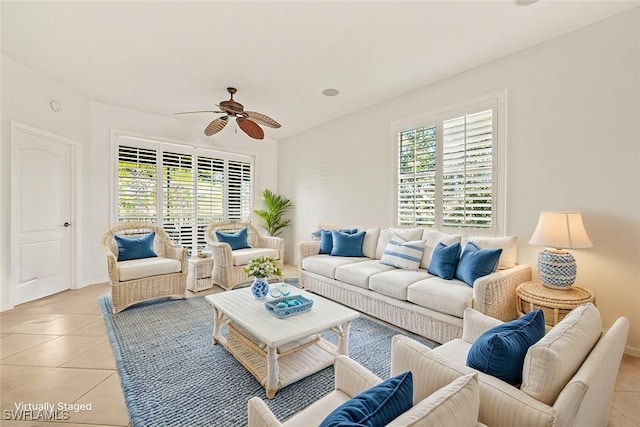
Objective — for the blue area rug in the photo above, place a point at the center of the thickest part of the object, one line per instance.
(172, 375)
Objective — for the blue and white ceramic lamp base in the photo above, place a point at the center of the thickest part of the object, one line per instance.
(557, 269)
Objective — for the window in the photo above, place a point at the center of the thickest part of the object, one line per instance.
(182, 188)
(449, 170)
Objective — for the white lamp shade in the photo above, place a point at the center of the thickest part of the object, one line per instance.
(561, 230)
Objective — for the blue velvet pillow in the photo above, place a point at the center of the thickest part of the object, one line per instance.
(377, 406)
(444, 260)
(326, 239)
(135, 247)
(500, 351)
(475, 262)
(347, 244)
(237, 240)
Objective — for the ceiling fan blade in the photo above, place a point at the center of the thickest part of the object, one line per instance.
(262, 119)
(192, 112)
(216, 126)
(250, 128)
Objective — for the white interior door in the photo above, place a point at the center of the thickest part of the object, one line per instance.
(42, 214)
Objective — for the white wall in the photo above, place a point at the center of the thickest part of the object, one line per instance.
(105, 117)
(573, 143)
(25, 98)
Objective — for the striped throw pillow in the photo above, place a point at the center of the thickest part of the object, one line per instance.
(402, 254)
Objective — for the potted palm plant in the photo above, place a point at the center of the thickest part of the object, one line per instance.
(273, 215)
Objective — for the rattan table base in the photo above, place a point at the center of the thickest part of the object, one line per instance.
(555, 303)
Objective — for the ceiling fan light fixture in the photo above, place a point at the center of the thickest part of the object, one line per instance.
(330, 92)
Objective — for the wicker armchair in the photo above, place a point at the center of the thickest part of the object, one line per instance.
(228, 266)
(138, 280)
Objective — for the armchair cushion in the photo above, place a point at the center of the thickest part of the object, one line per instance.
(500, 351)
(376, 406)
(244, 256)
(147, 267)
(135, 247)
(237, 240)
(456, 404)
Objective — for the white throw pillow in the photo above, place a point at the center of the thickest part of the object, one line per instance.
(551, 362)
(456, 404)
(508, 244)
(402, 254)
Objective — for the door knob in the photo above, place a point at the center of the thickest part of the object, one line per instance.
(66, 224)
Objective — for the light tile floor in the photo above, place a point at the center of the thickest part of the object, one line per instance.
(56, 350)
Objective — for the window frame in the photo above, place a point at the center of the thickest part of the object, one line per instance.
(495, 101)
(162, 145)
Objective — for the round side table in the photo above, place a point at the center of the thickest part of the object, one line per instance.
(555, 303)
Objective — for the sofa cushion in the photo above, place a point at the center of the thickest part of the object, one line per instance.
(135, 247)
(345, 244)
(394, 283)
(501, 350)
(147, 267)
(431, 239)
(386, 234)
(475, 262)
(456, 404)
(325, 265)
(508, 244)
(358, 274)
(244, 256)
(376, 406)
(237, 240)
(444, 260)
(402, 254)
(445, 296)
(371, 236)
(552, 361)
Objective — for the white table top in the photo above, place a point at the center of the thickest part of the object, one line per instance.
(250, 314)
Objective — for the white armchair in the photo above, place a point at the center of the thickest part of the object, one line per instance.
(138, 280)
(228, 265)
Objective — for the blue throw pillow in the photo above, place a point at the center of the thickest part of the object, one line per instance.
(444, 260)
(500, 351)
(237, 240)
(135, 247)
(377, 406)
(347, 244)
(326, 239)
(475, 262)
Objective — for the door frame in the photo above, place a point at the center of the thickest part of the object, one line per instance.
(74, 149)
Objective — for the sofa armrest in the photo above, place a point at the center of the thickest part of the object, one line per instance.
(259, 414)
(271, 242)
(306, 249)
(352, 378)
(475, 324)
(221, 254)
(495, 294)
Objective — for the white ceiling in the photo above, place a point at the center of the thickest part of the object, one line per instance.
(163, 57)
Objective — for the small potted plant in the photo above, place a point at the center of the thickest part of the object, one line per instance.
(260, 268)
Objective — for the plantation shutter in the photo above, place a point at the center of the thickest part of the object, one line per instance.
(239, 191)
(467, 171)
(137, 184)
(209, 194)
(416, 176)
(178, 197)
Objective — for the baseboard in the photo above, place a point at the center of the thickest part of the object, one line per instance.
(632, 351)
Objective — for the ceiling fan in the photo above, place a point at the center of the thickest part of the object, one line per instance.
(248, 121)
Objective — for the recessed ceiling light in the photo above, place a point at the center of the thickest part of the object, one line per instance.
(330, 92)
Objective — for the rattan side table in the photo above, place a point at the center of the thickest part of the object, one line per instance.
(555, 303)
(199, 274)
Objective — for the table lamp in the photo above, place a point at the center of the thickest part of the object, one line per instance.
(558, 231)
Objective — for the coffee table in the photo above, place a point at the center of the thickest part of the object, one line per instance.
(279, 352)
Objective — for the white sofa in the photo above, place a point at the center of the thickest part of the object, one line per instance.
(452, 404)
(568, 376)
(414, 300)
